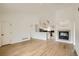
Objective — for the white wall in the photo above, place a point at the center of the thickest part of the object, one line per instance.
(17, 25)
(19, 19)
(77, 30)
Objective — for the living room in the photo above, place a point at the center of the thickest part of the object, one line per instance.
(21, 23)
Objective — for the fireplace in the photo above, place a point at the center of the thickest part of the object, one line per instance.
(64, 35)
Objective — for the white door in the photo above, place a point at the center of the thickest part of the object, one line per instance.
(6, 33)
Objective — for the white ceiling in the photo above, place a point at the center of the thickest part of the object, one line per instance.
(34, 7)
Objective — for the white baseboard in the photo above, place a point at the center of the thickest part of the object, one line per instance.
(20, 41)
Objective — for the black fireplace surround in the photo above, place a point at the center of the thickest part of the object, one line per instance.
(64, 35)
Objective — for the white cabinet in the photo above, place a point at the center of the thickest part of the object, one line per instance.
(39, 35)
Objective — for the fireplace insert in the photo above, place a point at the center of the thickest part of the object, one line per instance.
(64, 35)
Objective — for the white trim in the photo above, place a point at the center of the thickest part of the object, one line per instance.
(19, 41)
(74, 34)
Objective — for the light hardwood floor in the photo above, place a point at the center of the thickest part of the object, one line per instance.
(37, 48)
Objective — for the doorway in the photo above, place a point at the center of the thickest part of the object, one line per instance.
(5, 33)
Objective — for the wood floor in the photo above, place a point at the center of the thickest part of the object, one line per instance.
(37, 48)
